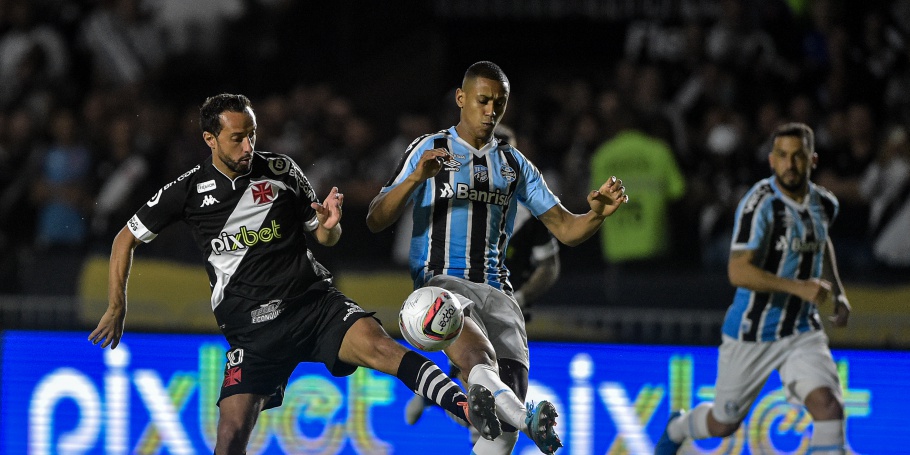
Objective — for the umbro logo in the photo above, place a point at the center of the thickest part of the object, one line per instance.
(209, 200)
(451, 165)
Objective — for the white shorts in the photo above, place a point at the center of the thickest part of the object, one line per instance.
(803, 361)
(497, 315)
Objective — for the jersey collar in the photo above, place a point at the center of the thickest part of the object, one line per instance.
(477, 152)
(787, 200)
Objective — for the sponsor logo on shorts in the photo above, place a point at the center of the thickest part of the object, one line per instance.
(266, 312)
(352, 308)
(232, 376)
(234, 357)
(232, 371)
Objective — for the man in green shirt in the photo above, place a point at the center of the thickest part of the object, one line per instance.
(641, 231)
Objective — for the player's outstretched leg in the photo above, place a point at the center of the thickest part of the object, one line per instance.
(540, 421)
(426, 379)
(667, 446)
(482, 412)
(512, 411)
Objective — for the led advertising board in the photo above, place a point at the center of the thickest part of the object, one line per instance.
(156, 393)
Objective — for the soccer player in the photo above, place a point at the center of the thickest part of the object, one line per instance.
(465, 185)
(275, 304)
(534, 266)
(783, 265)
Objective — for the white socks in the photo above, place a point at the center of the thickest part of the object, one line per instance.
(827, 438)
(509, 408)
(505, 443)
(827, 435)
(691, 425)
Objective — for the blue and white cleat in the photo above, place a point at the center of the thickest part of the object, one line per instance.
(666, 446)
(540, 421)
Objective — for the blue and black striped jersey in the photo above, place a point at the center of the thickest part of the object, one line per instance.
(464, 216)
(789, 240)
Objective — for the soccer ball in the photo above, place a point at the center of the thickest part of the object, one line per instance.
(431, 318)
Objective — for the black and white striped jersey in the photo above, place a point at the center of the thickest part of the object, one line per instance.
(251, 232)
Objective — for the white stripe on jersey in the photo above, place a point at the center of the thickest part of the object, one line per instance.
(249, 214)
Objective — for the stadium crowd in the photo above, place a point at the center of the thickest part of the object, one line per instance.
(99, 105)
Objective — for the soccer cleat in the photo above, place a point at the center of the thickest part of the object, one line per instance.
(414, 409)
(540, 421)
(481, 412)
(666, 446)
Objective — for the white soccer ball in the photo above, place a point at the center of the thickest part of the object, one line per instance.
(431, 318)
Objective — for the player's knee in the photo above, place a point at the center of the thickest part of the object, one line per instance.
(823, 404)
(721, 429)
(468, 359)
(233, 434)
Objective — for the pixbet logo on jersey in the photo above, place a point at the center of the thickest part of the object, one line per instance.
(245, 238)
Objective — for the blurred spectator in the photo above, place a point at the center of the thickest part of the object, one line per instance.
(194, 28)
(62, 192)
(646, 163)
(20, 162)
(724, 75)
(33, 56)
(184, 149)
(722, 176)
(122, 173)
(124, 47)
(840, 171)
(276, 131)
(574, 178)
(886, 185)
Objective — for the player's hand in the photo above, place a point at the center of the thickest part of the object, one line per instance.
(605, 200)
(841, 311)
(431, 163)
(110, 328)
(329, 212)
(818, 291)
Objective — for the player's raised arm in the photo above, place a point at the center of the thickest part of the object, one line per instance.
(328, 232)
(387, 207)
(572, 229)
(110, 328)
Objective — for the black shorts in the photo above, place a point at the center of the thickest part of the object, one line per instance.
(310, 330)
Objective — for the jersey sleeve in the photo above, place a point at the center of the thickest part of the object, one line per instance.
(534, 193)
(753, 220)
(163, 209)
(408, 163)
(306, 195)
